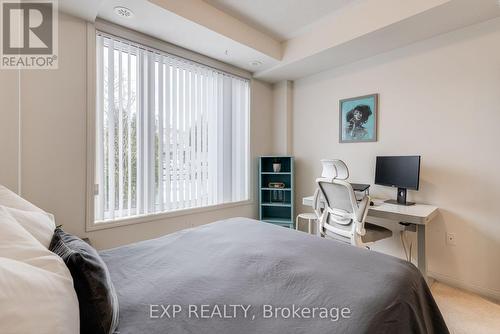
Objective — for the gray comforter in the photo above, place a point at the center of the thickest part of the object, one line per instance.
(244, 276)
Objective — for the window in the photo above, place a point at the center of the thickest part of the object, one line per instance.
(171, 134)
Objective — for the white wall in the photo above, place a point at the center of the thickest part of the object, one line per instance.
(282, 117)
(441, 99)
(9, 128)
(53, 140)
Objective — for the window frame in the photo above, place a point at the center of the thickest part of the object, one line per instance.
(136, 37)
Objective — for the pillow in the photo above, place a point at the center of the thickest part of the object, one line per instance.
(95, 291)
(36, 221)
(18, 244)
(38, 224)
(35, 300)
(37, 294)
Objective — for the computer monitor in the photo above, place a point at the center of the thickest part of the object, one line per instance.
(402, 172)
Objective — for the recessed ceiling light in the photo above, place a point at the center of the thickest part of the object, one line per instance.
(123, 12)
(255, 63)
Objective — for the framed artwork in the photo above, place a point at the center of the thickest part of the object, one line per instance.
(358, 119)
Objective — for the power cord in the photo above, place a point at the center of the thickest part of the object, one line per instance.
(404, 241)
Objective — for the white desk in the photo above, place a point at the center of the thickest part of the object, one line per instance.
(418, 215)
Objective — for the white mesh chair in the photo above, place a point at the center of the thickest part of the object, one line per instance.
(343, 217)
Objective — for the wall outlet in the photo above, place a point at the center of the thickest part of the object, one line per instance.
(451, 239)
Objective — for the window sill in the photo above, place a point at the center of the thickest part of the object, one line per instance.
(102, 225)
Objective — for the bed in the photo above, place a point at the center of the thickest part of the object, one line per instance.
(244, 276)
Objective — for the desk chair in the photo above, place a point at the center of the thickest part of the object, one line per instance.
(343, 217)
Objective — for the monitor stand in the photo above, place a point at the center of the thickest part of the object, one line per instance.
(401, 198)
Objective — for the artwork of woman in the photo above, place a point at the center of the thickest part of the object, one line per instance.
(358, 119)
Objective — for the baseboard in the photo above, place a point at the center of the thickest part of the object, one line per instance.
(491, 294)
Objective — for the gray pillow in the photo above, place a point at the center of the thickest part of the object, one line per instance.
(95, 291)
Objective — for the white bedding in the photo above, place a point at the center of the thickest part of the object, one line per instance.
(37, 294)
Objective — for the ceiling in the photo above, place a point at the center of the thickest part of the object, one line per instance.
(166, 25)
(281, 19)
(289, 39)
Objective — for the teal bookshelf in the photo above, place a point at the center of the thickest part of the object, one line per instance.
(276, 204)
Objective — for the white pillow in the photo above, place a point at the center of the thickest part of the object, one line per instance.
(37, 294)
(15, 242)
(38, 224)
(34, 300)
(32, 219)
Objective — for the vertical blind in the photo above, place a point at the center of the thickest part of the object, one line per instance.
(170, 133)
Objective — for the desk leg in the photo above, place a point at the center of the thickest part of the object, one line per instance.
(422, 260)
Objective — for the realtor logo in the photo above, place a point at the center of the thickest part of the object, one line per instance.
(29, 34)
